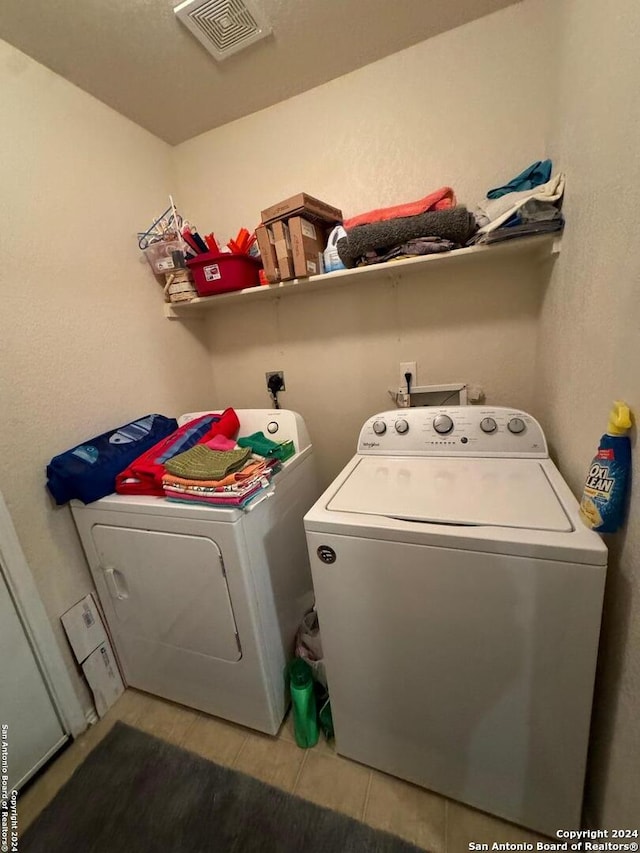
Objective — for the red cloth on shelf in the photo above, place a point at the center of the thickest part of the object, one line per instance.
(144, 475)
(441, 199)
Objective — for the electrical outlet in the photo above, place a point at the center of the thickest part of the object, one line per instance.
(279, 373)
(408, 367)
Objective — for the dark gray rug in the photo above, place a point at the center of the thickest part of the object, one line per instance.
(137, 794)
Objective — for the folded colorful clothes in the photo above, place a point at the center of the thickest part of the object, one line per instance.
(441, 199)
(201, 463)
(234, 490)
(252, 469)
(218, 500)
(456, 225)
(238, 490)
(185, 499)
(144, 475)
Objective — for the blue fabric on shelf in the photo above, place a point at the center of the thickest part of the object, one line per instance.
(516, 219)
(534, 175)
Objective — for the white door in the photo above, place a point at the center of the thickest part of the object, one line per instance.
(31, 731)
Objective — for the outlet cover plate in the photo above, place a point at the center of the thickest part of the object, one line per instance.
(408, 367)
(279, 373)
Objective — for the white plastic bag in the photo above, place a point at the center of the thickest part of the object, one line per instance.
(309, 646)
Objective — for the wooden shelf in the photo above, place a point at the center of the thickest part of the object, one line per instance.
(535, 248)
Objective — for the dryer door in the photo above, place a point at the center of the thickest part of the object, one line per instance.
(168, 593)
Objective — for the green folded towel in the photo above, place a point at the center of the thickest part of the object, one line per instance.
(263, 446)
(202, 463)
(286, 449)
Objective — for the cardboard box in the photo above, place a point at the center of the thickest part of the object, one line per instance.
(88, 638)
(284, 253)
(266, 244)
(302, 205)
(307, 243)
(84, 627)
(102, 673)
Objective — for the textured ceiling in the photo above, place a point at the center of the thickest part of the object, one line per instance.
(139, 59)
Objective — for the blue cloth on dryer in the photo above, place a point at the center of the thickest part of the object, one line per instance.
(88, 471)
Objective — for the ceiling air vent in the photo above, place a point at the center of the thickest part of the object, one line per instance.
(223, 26)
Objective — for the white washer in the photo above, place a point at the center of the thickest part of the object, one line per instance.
(459, 598)
(202, 602)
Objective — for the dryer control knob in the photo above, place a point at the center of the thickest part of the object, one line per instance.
(402, 426)
(442, 424)
(379, 427)
(516, 425)
(272, 427)
(488, 425)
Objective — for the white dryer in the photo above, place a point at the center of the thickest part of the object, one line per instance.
(459, 598)
(202, 602)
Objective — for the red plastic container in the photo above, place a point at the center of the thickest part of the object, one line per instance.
(221, 273)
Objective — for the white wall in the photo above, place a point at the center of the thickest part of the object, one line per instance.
(590, 349)
(341, 350)
(467, 108)
(83, 343)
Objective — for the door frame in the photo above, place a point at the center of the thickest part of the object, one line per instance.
(37, 627)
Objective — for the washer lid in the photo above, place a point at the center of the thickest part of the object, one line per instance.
(493, 492)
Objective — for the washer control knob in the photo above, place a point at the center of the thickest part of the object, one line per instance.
(516, 426)
(488, 425)
(402, 426)
(272, 427)
(379, 427)
(442, 424)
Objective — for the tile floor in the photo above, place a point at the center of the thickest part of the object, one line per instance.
(426, 819)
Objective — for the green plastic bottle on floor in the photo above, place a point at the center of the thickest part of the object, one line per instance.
(305, 716)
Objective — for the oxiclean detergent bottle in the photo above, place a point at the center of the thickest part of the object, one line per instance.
(603, 501)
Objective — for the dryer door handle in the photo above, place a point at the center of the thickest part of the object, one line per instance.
(111, 576)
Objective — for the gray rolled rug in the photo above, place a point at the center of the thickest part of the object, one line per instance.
(456, 225)
(137, 794)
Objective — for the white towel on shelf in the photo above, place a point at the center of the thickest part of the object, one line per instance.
(495, 212)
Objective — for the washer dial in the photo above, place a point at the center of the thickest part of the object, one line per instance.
(488, 425)
(379, 427)
(442, 424)
(402, 426)
(516, 426)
